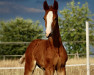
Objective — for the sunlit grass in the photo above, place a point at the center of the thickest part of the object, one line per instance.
(81, 70)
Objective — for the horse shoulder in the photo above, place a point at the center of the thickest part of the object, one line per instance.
(63, 54)
(32, 46)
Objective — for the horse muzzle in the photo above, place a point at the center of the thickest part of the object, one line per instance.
(48, 35)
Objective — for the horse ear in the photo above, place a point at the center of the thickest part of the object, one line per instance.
(45, 5)
(55, 5)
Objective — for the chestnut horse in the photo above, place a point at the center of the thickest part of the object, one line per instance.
(49, 54)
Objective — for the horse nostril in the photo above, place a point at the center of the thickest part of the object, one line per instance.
(48, 35)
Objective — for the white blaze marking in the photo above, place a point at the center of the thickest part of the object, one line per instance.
(49, 22)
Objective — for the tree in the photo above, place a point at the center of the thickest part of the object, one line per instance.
(72, 26)
(18, 30)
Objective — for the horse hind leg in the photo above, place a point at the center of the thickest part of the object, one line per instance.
(29, 67)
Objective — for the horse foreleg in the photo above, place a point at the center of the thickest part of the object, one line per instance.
(61, 71)
(49, 71)
(29, 68)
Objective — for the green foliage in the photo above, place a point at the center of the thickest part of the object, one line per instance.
(18, 30)
(72, 26)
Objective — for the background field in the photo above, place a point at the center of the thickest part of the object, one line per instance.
(81, 70)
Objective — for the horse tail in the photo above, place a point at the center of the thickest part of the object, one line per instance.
(22, 59)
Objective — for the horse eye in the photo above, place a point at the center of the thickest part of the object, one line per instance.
(43, 18)
(56, 18)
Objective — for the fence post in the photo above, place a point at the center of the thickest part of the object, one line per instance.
(4, 57)
(77, 55)
(87, 48)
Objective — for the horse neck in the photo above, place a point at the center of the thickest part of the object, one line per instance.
(55, 39)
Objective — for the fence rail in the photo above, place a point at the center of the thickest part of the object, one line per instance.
(75, 55)
(21, 55)
(14, 42)
(29, 42)
(73, 65)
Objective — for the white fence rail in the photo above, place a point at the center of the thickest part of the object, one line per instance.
(73, 65)
(76, 55)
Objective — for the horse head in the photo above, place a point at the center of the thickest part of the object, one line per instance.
(50, 17)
